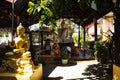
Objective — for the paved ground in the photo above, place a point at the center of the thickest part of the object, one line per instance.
(77, 70)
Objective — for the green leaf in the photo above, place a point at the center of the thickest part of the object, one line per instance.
(30, 10)
(31, 4)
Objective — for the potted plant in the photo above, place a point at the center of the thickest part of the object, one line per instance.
(64, 56)
(101, 51)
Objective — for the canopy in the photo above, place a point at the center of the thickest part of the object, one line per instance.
(76, 12)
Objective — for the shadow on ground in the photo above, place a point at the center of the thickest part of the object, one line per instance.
(49, 67)
(97, 72)
(92, 72)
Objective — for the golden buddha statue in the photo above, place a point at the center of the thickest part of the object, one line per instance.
(20, 53)
(21, 43)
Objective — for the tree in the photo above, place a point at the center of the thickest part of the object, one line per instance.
(47, 11)
(42, 10)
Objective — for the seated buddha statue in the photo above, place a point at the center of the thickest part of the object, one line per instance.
(20, 52)
(21, 43)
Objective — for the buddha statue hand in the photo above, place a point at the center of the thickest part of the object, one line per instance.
(26, 54)
(19, 50)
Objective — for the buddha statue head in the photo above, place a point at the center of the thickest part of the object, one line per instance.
(20, 29)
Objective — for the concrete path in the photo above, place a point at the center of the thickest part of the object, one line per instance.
(81, 70)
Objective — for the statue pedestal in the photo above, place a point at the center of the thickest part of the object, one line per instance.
(116, 72)
(36, 75)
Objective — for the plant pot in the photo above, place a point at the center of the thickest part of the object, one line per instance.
(64, 61)
(103, 60)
